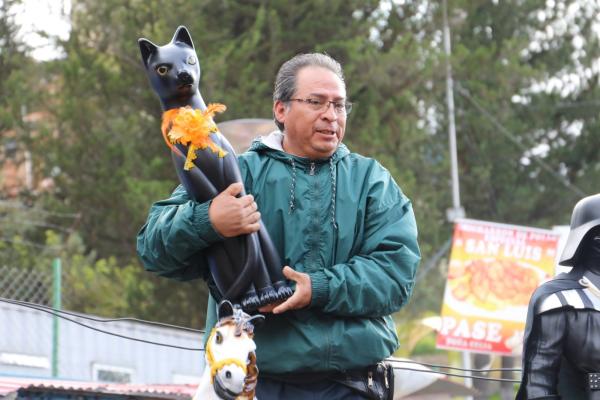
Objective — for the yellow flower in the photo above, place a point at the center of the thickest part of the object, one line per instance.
(192, 128)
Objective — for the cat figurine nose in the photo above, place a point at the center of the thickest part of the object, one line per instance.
(184, 78)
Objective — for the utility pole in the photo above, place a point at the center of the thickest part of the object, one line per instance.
(56, 304)
(456, 211)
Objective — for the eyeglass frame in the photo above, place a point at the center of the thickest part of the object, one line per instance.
(311, 102)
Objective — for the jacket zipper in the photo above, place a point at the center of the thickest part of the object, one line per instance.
(312, 169)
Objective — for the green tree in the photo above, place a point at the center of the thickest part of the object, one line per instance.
(17, 86)
(505, 67)
(14, 64)
(111, 163)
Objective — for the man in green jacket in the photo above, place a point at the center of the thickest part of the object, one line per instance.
(342, 225)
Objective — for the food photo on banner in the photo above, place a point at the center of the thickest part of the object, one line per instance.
(494, 268)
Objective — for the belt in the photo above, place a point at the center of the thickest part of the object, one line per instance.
(299, 378)
(373, 382)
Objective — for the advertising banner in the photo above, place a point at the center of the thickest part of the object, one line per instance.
(494, 268)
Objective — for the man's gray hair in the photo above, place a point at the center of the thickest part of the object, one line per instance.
(285, 82)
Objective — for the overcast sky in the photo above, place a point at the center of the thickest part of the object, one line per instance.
(50, 16)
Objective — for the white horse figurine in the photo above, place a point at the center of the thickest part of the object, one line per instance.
(230, 372)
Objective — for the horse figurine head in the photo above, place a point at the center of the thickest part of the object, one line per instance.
(230, 372)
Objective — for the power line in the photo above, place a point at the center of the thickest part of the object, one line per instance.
(433, 260)
(577, 104)
(483, 378)
(59, 315)
(465, 93)
(564, 105)
(103, 320)
(456, 368)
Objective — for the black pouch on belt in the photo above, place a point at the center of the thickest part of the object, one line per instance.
(376, 381)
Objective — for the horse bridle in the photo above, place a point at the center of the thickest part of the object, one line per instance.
(215, 366)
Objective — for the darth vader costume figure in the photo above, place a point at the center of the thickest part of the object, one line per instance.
(561, 355)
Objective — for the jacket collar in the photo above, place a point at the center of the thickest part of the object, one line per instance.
(272, 145)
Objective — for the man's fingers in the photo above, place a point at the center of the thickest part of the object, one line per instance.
(289, 304)
(234, 189)
(250, 218)
(291, 274)
(254, 227)
(251, 228)
(233, 216)
(250, 210)
(246, 200)
(269, 307)
(302, 294)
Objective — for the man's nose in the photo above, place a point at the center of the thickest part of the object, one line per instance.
(329, 112)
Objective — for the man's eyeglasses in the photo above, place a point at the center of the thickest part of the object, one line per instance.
(340, 107)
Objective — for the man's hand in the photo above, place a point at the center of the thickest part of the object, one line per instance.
(301, 297)
(232, 216)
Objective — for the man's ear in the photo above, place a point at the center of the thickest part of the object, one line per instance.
(183, 35)
(147, 48)
(279, 111)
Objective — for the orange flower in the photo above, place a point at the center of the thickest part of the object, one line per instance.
(192, 128)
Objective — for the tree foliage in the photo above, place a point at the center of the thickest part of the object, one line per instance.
(525, 134)
(14, 66)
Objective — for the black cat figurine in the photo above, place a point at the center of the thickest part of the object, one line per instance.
(245, 269)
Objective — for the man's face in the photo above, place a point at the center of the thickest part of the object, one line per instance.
(313, 133)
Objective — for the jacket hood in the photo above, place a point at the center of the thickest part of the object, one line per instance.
(272, 146)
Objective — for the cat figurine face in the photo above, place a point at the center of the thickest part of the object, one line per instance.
(173, 70)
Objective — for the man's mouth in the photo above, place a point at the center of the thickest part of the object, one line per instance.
(326, 132)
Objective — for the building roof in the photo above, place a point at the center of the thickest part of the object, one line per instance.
(155, 391)
(241, 132)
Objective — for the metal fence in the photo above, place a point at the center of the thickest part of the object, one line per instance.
(26, 284)
(34, 342)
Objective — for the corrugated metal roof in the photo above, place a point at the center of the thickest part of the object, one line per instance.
(11, 385)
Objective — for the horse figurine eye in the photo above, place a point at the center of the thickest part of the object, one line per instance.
(191, 60)
(218, 338)
(162, 70)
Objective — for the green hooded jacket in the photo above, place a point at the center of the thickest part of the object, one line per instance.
(343, 221)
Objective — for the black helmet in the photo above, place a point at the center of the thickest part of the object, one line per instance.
(586, 216)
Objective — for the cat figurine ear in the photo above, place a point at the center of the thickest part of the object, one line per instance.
(183, 35)
(147, 48)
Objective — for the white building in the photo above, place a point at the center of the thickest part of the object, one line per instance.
(26, 349)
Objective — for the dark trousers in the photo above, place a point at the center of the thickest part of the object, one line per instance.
(269, 389)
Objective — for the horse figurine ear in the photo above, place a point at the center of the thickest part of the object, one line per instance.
(183, 35)
(256, 320)
(224, 309)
